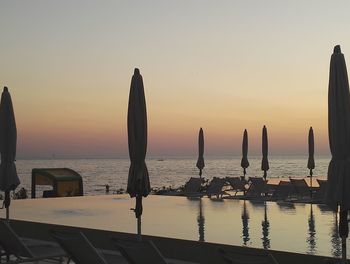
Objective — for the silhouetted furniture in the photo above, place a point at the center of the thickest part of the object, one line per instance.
(257, 188)
(282, 190)
(237, 184)
(64, 181)
(320, 192)
(139, 252)
(215, 187)
(142, 252)
(25, 250)
(238, 257)
(193, 187)
(300, 188)
(82, 251)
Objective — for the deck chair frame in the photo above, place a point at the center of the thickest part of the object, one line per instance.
(215, 187)
(237, 185)
(24, 249)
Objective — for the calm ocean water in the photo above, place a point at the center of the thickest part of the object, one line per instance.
(169, 171)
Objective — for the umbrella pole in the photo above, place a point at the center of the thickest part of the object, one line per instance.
(139, 228)
(343, 248)
(343, 230)
(7, 202)
(138, 213)
(311, 183)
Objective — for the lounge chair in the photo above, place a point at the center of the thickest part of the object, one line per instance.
(25, 250)
(193, 187)
(215, 188)
(145, 251)
(282, 190)
(237, 184)
(136, 252)
(300, 187)
(239, 257)
(320, 192)
(257, 188)
(81, 251)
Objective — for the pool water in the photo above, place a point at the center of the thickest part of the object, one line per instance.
(301, 228)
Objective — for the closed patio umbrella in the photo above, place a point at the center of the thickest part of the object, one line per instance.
(338, 178)
(200, 165)
(265, 162)
(8, 140)
(138, 180)
(311, 160)
(200, 162)
(244, 161)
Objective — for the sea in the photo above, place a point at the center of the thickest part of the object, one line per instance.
(168, 172)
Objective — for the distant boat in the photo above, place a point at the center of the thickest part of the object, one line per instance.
(160, 159)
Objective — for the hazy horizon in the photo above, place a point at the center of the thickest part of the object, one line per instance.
(225, 66)
(161, 157)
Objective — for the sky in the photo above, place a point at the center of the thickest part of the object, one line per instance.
(224, 66)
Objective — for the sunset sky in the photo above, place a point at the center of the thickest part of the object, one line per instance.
(221, 65)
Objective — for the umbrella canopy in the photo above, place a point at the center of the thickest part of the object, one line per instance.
(138, 180)
(244, 161)
(311, 160)
(8, 140)
(338, 182)
(200, 162)
(265, 162)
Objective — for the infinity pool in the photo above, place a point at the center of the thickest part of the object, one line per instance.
(301, 228)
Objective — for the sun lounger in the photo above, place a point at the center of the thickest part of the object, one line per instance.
(140, 252)
(238, 257)
(215, 187)
(282, 190)
(136, 252)
(320, 192)
(237, 184)
(25, 250)
(300, 188)
(82, 251)
(257, 188)
(193, 187)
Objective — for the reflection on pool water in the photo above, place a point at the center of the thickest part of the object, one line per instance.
(302, 228)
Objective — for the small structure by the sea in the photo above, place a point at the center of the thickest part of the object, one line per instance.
(65, 182)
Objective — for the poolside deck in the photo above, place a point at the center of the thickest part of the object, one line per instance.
(182, 250)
